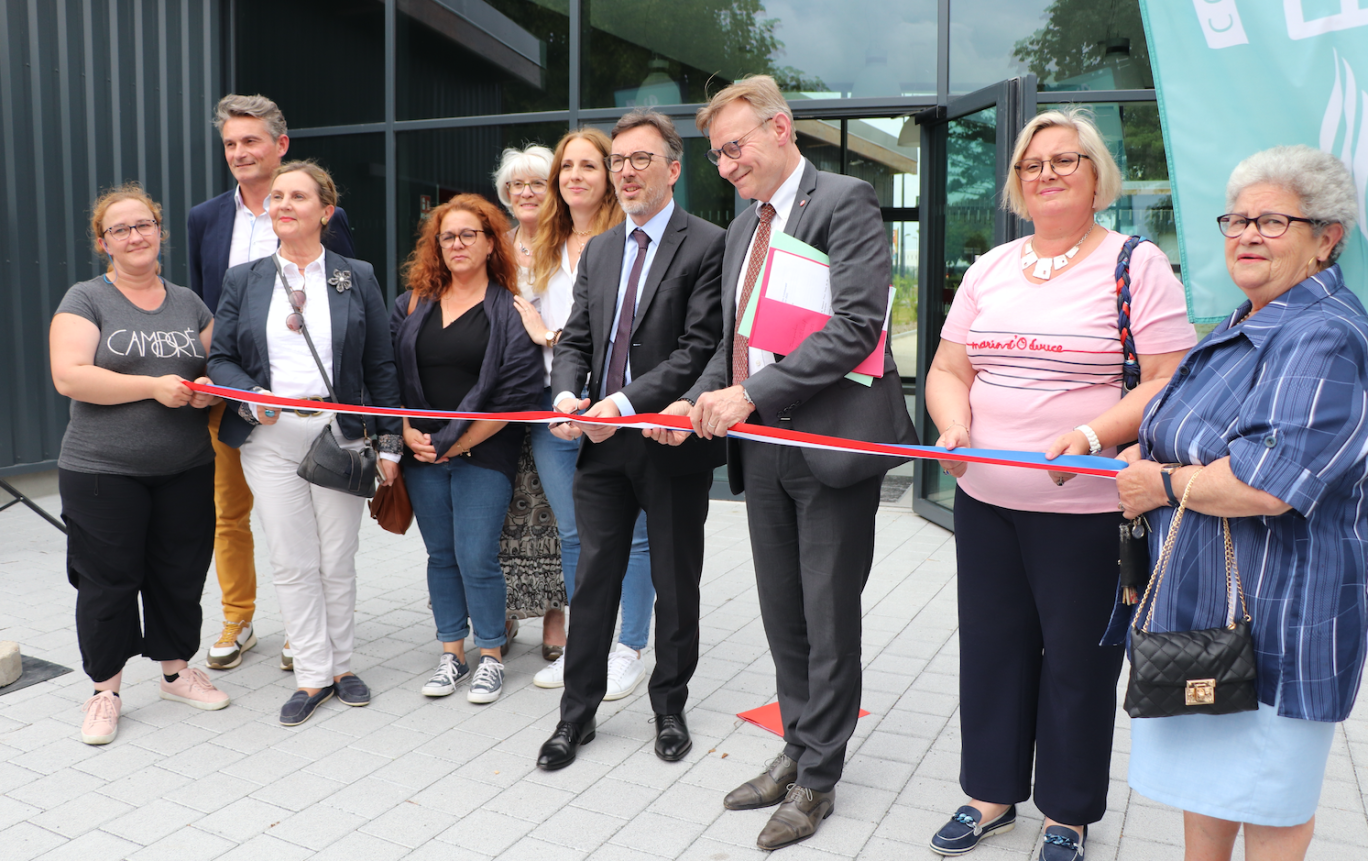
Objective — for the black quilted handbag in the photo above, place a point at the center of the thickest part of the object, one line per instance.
(1209, 672)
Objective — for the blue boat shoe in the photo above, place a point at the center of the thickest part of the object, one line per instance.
(1062, 843)
(964, 831)
(300, 706)
(352, 691)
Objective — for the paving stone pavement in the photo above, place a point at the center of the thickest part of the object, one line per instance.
(418, 778)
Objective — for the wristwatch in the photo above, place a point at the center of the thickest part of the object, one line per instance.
(552, 337)
(1166, 473)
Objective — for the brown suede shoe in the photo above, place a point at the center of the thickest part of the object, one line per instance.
(766, 790)
(797, 818)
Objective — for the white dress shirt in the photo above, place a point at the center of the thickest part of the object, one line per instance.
(782, 202)
(253, 235)
(655, 229)
(293, 371)
(555, 303)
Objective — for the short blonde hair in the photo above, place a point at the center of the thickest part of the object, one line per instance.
(534, 161)
(1104, 167)
(761, 92)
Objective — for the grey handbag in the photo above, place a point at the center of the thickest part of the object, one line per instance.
(328, 464)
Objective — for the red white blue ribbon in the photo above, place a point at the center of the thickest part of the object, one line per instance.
(1104, 467)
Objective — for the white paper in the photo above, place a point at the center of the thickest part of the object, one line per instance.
(798, 281)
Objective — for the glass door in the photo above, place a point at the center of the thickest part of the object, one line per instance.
(966, 146)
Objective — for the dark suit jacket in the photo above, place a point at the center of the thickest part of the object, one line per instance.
(674, 333)
(807, 390)
(362, 355)
(209, 232)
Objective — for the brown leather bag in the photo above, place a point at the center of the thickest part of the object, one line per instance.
(390, 507)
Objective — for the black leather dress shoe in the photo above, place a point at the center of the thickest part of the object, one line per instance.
(672, 738)
(559, 750)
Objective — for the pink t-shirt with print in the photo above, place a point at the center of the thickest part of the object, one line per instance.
(1047, 358)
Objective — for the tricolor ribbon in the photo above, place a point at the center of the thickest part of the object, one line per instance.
(1104, 467)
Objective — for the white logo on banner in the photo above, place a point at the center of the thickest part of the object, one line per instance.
(1221, 23)
(1345, 99)
(1349, 16)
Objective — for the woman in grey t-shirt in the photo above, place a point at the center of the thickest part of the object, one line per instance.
(136, 472)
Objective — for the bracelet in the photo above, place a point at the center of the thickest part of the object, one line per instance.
(690, 401)
(1094, 444)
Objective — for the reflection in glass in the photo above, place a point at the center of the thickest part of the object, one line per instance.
(655, 52)
(1068, 44)
(322, 61)
(357, 165)
(479, 57)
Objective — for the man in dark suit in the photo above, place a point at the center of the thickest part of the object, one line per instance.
(229, 230)
(646, 320)
(811, 512)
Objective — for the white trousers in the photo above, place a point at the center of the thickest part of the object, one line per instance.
(313, 534)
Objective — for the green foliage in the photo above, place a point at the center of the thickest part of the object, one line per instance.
(1074, 39)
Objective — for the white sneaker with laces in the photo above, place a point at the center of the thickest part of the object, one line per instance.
(487, 683)
(450, 673)
(552, 675)
(625, 672)
(237, 638)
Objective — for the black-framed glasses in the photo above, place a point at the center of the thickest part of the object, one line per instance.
(467, 236)
(145, 229)
(732, 149)
(518, 186)
(1270, 225)
(1063, 164)
(640, 160)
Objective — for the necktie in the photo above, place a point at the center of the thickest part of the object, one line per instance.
(759, 250)
(617, 362)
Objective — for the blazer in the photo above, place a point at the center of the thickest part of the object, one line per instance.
(362, 356)
(806, 390)
(209, 229)
(510, 377)
(674, 333)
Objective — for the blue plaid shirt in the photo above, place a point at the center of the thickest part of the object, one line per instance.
(1285, 395)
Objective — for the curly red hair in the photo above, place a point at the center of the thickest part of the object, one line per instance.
(426, 273)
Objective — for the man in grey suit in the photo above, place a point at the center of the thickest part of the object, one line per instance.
(646, 321)
(811, 512)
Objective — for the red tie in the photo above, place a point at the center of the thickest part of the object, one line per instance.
(759, 250)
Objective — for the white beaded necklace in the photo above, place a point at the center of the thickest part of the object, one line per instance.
(1047, 266)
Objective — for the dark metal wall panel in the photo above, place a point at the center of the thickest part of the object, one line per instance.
(92, 93)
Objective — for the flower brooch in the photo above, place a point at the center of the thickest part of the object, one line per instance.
(341, 279)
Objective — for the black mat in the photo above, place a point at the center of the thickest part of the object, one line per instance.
(894, 486)
(33, 671)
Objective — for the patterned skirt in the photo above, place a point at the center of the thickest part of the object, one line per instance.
(529, 548)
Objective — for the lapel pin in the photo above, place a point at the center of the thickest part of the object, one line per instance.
(341, 279)
(802, 202)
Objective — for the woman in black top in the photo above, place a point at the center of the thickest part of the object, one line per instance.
(460, 345)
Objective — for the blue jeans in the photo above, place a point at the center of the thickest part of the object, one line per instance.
(555, 459)
(460, 510)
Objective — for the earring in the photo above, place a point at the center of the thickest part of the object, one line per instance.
(325, 221)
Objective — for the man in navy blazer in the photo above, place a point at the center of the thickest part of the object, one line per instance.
(228, 230)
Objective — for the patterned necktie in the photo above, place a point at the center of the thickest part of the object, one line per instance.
(759, 250)
(617, 362)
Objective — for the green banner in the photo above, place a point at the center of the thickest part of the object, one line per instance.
(1234, 78)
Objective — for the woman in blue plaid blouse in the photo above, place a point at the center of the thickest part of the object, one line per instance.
(1267, 418)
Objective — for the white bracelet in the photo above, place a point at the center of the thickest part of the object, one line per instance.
(1094, 444)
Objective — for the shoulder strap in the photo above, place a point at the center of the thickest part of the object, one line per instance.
(1130, 371)
(413, 301)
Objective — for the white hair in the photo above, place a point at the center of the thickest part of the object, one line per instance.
(534, 161)
(1322, 184)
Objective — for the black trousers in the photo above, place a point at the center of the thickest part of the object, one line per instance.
(614, 482)
(137, 535)
(813, 547)
(1035, 593)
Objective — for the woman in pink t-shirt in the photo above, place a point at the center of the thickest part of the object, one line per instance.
(1031, 359)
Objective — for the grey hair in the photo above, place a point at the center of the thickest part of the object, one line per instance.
(1322, 184)
(258, 107)
(674, 144)
(534, 161)
(1080, 120)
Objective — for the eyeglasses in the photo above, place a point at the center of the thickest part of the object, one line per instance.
(144, 228)
(639, 160)
(1270, 225)
(467, 236)
(518, 186)
(1063, 164)
(732, 149)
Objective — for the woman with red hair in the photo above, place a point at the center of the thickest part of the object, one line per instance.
(460, 345)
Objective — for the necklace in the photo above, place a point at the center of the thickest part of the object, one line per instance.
(1047, 266)
(517, 237)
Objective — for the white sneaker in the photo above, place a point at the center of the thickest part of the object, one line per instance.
(552, 675)
(237, 637)
(625, 672)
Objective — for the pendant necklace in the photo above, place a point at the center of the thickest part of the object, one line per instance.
(1047, 266)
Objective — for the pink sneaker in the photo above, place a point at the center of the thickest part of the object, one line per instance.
(193, 688)
(101, 722)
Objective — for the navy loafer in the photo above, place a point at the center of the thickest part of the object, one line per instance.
(1062, 843)
(964, 830)
(300, 706)
(352, 691)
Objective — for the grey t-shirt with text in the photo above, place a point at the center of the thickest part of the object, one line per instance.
(142, 437)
